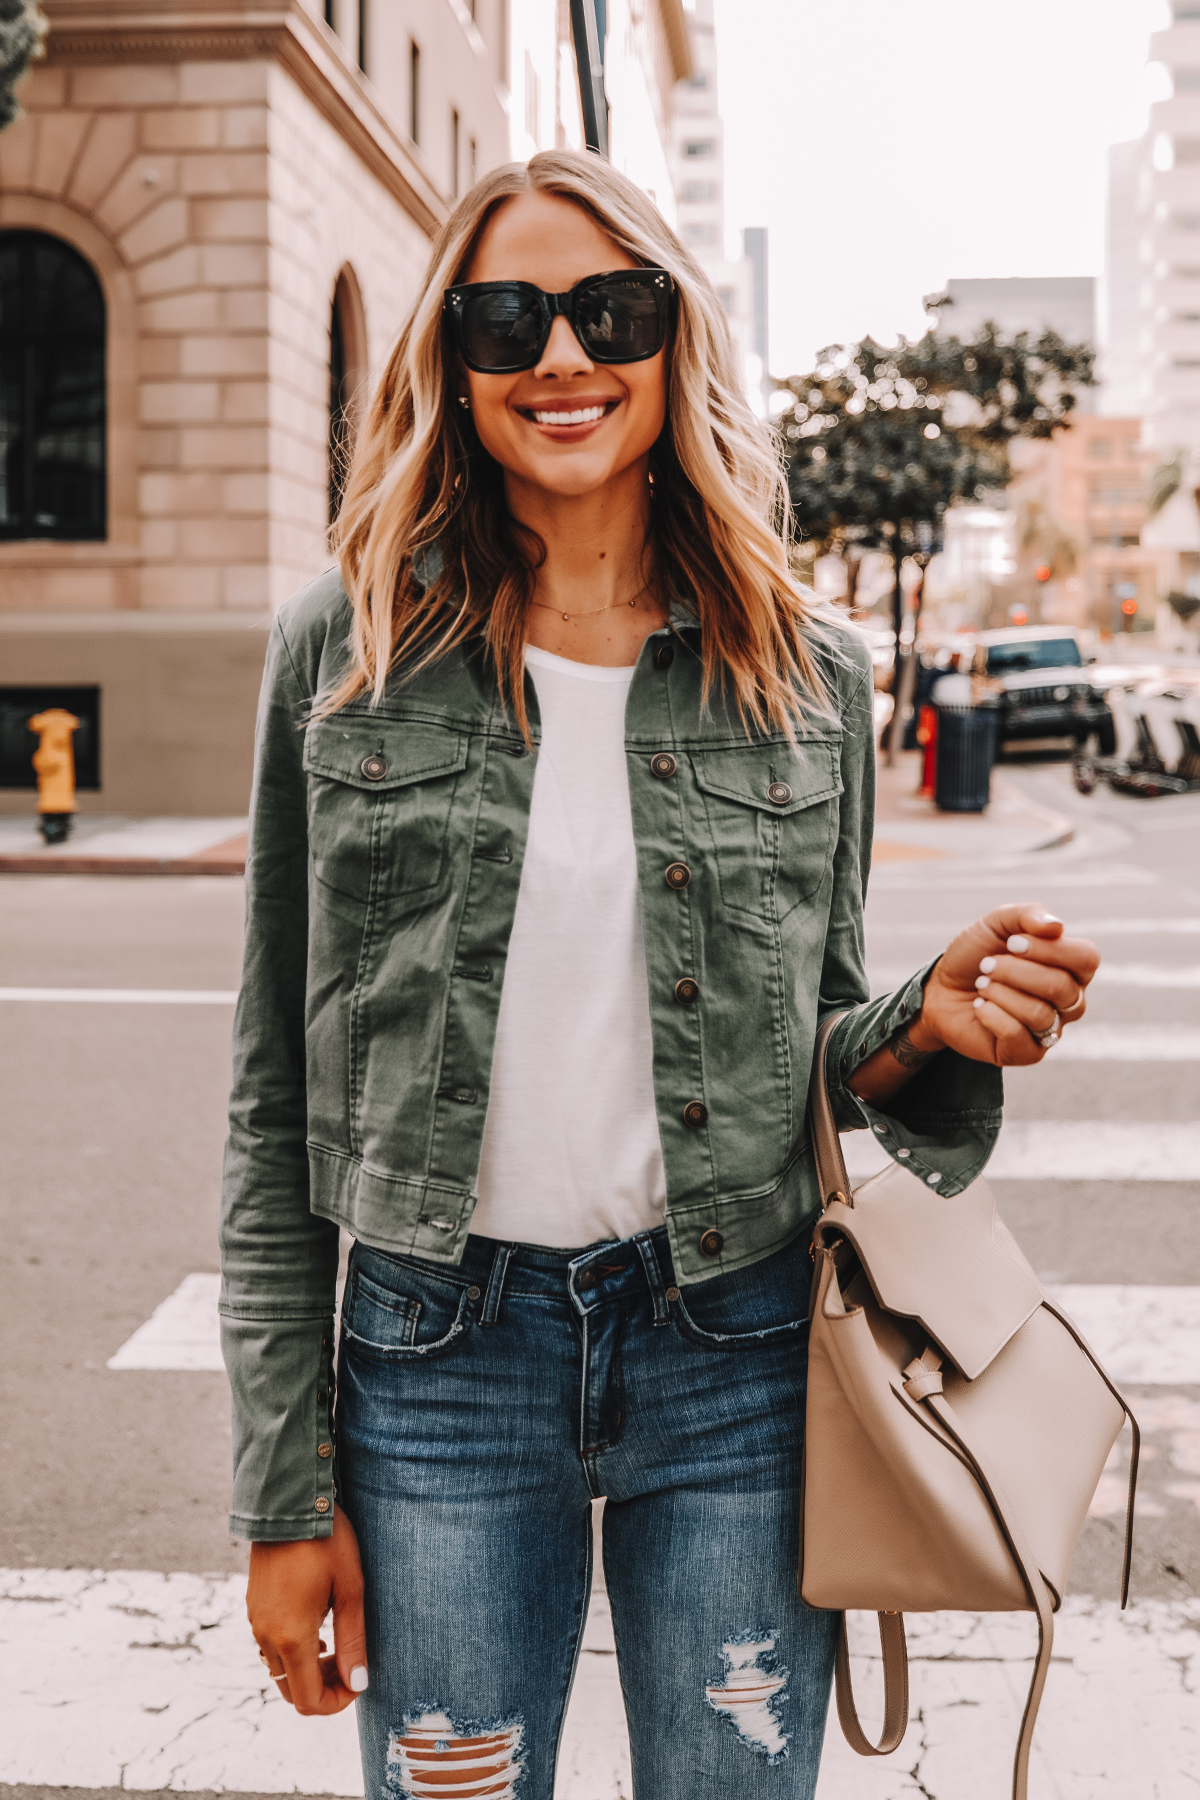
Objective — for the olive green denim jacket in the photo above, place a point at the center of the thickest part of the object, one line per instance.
(385, 856)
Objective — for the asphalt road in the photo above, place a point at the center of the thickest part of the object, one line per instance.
(112, 1120)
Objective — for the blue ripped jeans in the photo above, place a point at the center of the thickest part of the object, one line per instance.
(480, 1409)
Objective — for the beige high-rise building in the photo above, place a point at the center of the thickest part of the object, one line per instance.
(212, 223)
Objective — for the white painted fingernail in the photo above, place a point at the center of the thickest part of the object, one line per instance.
(977, 1002)
(1018, 945)
(987, 965)
(358, 1678)
(981, 981)
(1047, 918)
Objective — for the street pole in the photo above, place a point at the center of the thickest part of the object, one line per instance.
(589, 62)
(895, 723)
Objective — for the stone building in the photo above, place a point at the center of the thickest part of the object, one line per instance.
(213, 220)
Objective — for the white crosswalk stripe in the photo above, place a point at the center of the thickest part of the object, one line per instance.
(1141, 1334)
(1076, 1150)
(183, 1333)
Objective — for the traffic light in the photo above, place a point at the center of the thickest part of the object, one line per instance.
(1129, 608)
(1042, 572)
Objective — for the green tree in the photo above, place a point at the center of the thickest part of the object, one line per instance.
(881, 442)
(22, 28)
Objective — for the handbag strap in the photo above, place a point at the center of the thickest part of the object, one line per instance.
(827, 1146)
(895, 1688)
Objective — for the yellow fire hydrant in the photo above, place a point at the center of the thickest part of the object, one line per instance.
(54, 760)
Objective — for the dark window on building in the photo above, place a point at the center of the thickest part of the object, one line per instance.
(17, 743)
(414, 91)
(454, 140)
(52, 391)
(339, 412)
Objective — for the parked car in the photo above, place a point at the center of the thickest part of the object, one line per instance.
(1045, 691)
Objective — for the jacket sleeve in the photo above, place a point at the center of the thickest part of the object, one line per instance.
(942, 1124)
(279, 1261)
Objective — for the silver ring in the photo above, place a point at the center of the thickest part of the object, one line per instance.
(1074, 1007)
(1048, 1038)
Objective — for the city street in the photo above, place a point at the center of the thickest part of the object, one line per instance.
(125, 1660)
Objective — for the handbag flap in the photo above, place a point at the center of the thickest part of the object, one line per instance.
(951, 1264)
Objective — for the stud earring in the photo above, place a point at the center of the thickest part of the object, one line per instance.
(463, 401)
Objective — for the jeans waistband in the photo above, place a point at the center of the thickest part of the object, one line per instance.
(589, 1277)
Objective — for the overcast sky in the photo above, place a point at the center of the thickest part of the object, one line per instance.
(891, 144)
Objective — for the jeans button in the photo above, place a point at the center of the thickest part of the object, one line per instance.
(587, 1279)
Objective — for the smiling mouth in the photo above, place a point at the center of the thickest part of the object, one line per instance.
(575, 415)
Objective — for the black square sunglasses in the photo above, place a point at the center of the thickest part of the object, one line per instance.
(502, 327)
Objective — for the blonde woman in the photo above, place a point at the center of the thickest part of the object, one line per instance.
(561, 827)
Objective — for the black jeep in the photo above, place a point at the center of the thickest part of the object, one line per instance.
(1044, 688)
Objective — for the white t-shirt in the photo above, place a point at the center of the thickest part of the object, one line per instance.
(571, 1153)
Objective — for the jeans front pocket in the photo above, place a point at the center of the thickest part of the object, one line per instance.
(760, 1307)
(399, 1312)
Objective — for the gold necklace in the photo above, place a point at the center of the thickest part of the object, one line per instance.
(595, 611)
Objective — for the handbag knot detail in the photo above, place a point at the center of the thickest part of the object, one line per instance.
(956, 1422)
(924, 1375)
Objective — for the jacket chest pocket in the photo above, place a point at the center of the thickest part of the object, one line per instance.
(379, 800)
(772, 814)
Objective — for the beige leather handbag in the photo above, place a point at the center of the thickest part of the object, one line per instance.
(957, 1423)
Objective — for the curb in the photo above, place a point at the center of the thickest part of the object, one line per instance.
(120, 865)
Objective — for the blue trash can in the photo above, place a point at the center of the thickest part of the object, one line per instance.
(966, 750)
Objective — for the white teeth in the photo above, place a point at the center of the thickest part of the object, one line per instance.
(583, 415)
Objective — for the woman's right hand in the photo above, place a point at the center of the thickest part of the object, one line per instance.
(291, 1588)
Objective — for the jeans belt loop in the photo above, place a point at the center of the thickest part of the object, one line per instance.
(495, 1286)
(645, 1246)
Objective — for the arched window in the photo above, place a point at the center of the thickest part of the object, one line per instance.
(52, 391)
(347, 370)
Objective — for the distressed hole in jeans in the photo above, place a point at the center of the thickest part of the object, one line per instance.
(433, 1758)
(748, 1692)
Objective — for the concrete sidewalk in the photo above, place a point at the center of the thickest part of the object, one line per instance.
(908, 828)
(99, 845)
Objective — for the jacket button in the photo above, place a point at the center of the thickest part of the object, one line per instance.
(324, 1449)
(711, 1244)
(322, 1505)
(320, 1396)
(664, 656)
(779, 793)
(695, 1114)
(374, 767)
(677, 876)
(687, 991)
(663, 765)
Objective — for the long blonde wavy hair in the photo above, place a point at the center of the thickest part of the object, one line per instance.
(419, 478)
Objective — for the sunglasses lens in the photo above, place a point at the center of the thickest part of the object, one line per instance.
(502, 330)
(619, 321)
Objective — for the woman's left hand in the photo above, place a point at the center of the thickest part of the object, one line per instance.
(1002, 983)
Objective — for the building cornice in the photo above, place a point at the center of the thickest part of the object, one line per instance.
(84, 33)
